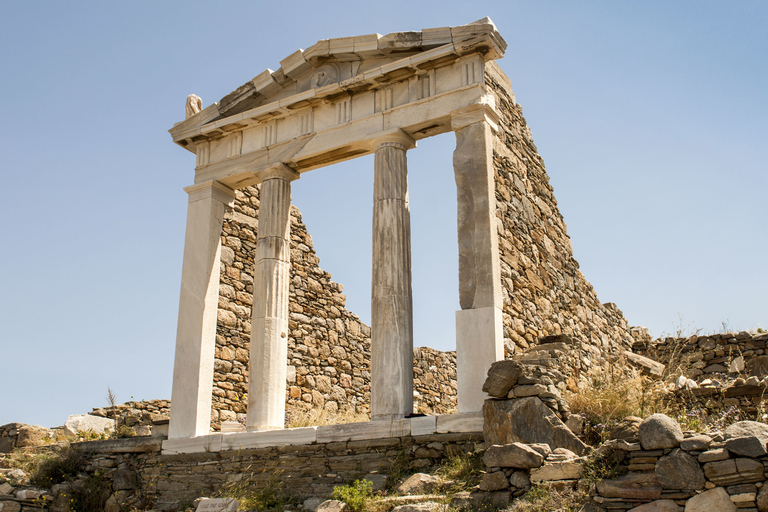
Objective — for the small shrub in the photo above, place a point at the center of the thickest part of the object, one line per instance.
(356, 494)
(464, 468)
(544, 498)
(399, 467)
(58, 468)
(295, 418)
(268, 494)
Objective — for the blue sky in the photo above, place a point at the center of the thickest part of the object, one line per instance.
(650, 117)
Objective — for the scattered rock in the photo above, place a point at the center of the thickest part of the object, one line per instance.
(311, 504)
(495, 481)
(86, 422)
(502, 375)
(553, 471)
(513, 455)
(634, 486)
(527, 420)
(419, 483)
(378, 481)
(425, 506)
(333, 506)
(520, 480)
(714, 500)
(678, 470)
(33, 435)
(696, 443)
(626, 429)
(659, 431)
(658, 506)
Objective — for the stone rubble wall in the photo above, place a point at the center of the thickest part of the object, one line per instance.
(136, 413)
(138, 475)
(328, 346)
(716, 356)
(434, 381)
(544, 291)
(693, 468)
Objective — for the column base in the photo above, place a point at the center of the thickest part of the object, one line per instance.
(479, 343)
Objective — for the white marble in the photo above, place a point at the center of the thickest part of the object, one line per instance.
(269, 319)
(391, 303)
(423, 425)
(467, 422)
(250, 440)
(380, 429)
(199, 444)
(479, 344)
(198, 307)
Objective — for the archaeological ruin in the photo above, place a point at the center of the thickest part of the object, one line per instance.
(264, 332)
(253, 300)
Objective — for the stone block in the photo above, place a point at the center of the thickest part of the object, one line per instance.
(527, 420)
(714, 500)
(466, 422)
(554, 471)
(513, 455)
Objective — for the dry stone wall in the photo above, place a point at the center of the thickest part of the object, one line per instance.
(544, 291)
(328, 346)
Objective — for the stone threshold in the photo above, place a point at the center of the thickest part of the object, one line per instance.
(379, 429)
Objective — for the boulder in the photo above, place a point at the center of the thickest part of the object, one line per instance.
(758, 366)
(527, 420)
(419, 483)
(502, 375)
(713, 500)
(696, 443)
(632, 486)
(10, 506)
(762, 499)
(425, 506)
(513, 455)
(626, 429)
(553, 471)
(332, 506)
(33, 435)
(646, 365)
(520, 480)
(495, 481)
(311, 504)
(659, 431)
(85, 422)
(748, 438)
(378, 481)
(678, 470)
(658, 506)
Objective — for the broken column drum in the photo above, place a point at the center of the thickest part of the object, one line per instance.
(337, 100)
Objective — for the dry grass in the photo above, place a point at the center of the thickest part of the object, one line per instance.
(610, 396)
(315, 417)
(545, 498)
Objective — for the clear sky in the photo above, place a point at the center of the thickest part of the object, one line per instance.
(651, 117)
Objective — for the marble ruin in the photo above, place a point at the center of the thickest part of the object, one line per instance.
(347, 97)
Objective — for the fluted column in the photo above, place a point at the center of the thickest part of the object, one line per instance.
(198, 308)
(479, 329)
(391, 298)
(269, 319)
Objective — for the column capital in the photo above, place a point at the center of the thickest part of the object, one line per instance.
(395, 136)
(475, 113)
(210, 189)
(276, 171)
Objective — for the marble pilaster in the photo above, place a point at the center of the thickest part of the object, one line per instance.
(479, 331)
(198, 307)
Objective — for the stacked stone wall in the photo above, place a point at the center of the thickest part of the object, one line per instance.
(328, 346)
(434, 381)
(544, 291)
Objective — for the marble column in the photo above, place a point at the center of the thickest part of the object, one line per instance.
(198, 308)
(269, 318)
(391, 298)
(479, 330)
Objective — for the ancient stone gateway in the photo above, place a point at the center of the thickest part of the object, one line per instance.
(347, 97)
